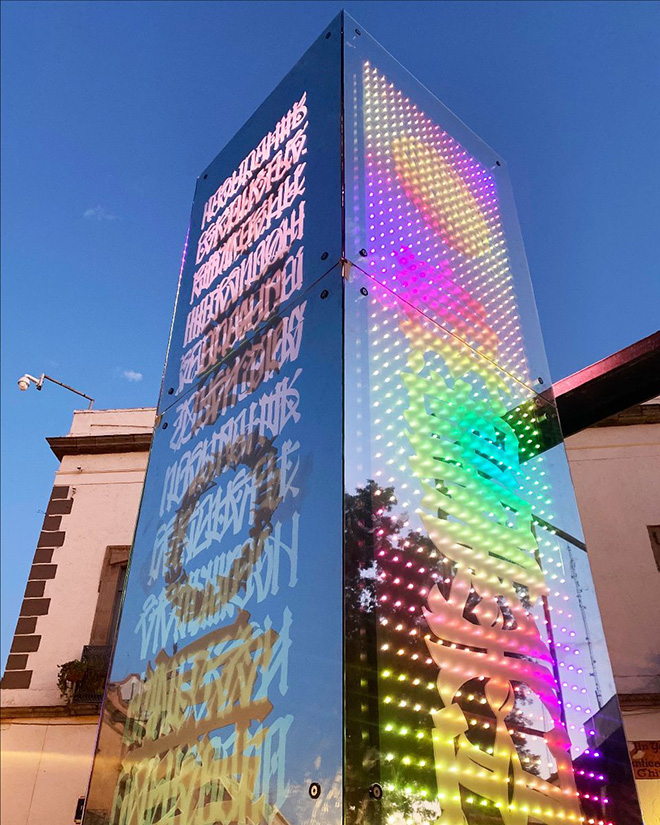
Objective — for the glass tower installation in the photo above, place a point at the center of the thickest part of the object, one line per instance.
(358, 589)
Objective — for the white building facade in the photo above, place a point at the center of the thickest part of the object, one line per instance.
(615, 467)
(69, 613)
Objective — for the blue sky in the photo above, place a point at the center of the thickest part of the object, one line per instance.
(111, 109)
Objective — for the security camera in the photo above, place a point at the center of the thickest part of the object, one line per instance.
(25, 380)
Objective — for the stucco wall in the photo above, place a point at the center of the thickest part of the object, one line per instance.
(45, 769)
(106, 492)
(616, 474)
(47, 755)
(112, 422)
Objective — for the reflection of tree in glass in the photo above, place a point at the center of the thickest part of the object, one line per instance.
(388, 721)
(518, 719)
(369, 527)
(401, 807)
(390, 697)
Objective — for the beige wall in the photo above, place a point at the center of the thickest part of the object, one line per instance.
(106, 494)
(47, 750)
(113, 422)
(45, 769)
(616, 473)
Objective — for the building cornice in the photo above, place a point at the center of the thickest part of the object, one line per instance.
(98, 444)
(601, 392)
(50, 711)
(639, 414)
(639, 701)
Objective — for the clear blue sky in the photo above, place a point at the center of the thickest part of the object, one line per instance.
(111, 109)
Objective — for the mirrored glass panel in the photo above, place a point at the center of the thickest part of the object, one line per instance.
(224, 702)
(478, 687)
(429, 212)
(265, 221)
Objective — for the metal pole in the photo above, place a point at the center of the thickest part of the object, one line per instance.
(66, 387)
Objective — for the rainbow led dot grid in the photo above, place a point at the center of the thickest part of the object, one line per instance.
(464, 306)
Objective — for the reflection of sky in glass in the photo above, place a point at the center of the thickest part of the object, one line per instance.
(236, 683)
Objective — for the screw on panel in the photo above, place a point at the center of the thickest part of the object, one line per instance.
(164, 425)
(315, 790)
(363, 252)
(375, 791)
(170, 391)
(357, 31)
(364, 290)
(206, 176)
(324, 256)
(327, 35)
(324, 294)
(540, 380)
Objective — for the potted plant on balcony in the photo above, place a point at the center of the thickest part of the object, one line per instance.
(70, 673)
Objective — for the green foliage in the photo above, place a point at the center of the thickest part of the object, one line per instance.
(69, 674)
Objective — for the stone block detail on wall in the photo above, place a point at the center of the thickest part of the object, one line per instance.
(35, 604)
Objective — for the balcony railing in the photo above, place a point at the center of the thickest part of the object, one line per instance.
(90, 688)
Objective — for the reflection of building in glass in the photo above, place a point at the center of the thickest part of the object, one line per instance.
(394, 571)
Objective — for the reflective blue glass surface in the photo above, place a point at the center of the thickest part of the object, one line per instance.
(224, 702)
